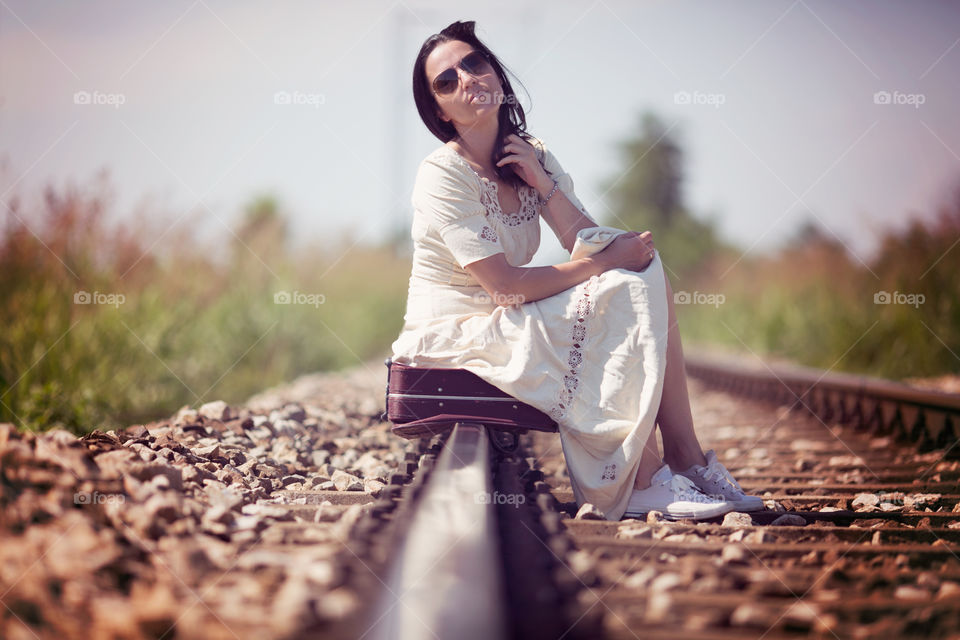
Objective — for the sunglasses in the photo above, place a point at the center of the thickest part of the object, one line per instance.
(474, 63)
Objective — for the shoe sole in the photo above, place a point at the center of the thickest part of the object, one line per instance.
(746, 506)
(701, 515)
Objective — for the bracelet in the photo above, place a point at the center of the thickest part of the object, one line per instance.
(544, 201)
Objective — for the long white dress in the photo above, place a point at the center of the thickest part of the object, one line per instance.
(592, 356)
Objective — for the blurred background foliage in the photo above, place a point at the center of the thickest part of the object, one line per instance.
(199, 319)
(812, 301)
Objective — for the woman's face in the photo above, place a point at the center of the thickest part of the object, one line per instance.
(476, 97)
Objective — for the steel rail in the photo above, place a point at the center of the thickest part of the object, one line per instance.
(931, 419)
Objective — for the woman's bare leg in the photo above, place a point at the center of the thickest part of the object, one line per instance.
(680, 446)
(649, 462)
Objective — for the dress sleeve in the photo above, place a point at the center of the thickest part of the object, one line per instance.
(564, 180)
(450, 198)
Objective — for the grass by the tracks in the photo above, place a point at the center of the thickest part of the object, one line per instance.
(106, 325)
(895, 315)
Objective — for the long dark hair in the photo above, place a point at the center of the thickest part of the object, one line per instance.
(510, 117)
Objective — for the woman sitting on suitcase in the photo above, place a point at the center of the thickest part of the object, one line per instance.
(592, 342)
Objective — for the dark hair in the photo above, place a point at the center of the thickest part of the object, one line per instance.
(510, 117)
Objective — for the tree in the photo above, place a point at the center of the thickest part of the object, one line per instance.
(648, 195)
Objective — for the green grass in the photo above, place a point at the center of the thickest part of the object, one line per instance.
(194, 325)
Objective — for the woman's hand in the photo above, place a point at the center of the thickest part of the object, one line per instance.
(523, 156)
(632, 251)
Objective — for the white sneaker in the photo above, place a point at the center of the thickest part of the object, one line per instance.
(715, 480)
(676, 497)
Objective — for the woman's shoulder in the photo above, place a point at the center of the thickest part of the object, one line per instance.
(445, 162)
(443, 169)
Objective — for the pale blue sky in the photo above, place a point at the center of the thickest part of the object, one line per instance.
(798, 129)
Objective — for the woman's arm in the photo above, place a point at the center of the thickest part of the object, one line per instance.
(561, 214)
(503, 281)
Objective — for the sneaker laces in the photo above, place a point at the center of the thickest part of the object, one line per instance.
(685, 489)
(719, 472)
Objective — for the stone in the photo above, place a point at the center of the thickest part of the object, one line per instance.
(789, 520)
(909, 592)
(865, 500)
(753, 615)
(589, 511)
(144, 471)
(737, 519)
(212, 451)
(344, 481)
(216, 410)
(113, 464)
(733, 553)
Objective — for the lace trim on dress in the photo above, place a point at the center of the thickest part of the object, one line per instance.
(491, 200)
(489, 196)
(488, 234)
(578, 334)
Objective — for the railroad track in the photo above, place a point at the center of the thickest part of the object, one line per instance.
(301, 517)
(861, 536)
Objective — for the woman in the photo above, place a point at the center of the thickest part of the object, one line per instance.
(593, 342)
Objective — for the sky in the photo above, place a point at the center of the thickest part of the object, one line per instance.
(839, 112)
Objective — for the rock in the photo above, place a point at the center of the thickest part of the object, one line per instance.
(373, 486)
(635, 532)
(344, 481)
(909, 592)
(588, 511)
(737, 519)
(802, 614)
(865, 500)
(288, 480)
(194, 474)
(327, 512)
(212, 451)
(733, 553)
(773, 505)
(753, 615)
(666, 581)
(144, 471)
(948, 590)
(269, 511)
(216, 410)
(760, 536)
(789, 520)
(737, 536)
(113, 464)
(336, 604)
(186, 415)
(62, 448)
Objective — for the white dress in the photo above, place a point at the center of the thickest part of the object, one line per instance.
(592, 357)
